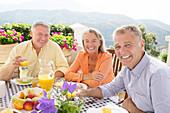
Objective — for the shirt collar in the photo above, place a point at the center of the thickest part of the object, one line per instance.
(141, 65)
(31, 43)
(33, 47)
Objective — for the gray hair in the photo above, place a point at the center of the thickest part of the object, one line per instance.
(135, 31)
(99, 36)
(40, 23)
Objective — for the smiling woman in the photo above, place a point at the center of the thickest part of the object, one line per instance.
(94, 61)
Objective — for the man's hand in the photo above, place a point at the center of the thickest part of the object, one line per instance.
(81, 93)
(16, 61)
(91, 92)
(6, 73)
(130, 106)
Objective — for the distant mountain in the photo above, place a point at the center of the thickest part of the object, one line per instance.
(106, 23)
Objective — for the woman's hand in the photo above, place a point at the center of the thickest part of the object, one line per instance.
(97, 75)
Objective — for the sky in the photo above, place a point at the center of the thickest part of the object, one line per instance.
(143, 9)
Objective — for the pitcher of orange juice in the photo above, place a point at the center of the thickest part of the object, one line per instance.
(46, 74)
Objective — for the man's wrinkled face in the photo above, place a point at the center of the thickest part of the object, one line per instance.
(129, 49)
(40, 36)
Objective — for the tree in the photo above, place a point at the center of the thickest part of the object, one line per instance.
(150, 42)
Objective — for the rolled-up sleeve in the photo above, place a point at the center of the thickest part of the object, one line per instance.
(114, 87)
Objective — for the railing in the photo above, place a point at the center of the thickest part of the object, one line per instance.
(167, 38)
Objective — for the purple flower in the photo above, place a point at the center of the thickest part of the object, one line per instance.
(34, 111)
(71, 87)
(15, 33)
(46, 105)
(65, 86)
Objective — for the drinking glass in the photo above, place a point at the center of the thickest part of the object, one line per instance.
(35, 82)
(2, 89)
(24, 64)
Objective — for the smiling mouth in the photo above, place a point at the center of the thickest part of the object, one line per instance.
(91, 48)
(42, 42)
(125, 57)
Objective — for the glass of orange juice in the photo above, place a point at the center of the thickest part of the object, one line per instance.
(24, 64)
(46, 81)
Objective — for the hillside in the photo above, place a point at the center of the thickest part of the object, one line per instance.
(106, 23)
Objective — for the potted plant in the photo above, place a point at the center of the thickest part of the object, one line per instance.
(66, 43)
(64, 103)
(8, 39)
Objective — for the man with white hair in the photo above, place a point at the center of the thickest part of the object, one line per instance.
(40, 47)
(145, 78)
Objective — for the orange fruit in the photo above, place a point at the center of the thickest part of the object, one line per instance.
(106, 110)
(18, 105)
(41, 93)
(22, 95)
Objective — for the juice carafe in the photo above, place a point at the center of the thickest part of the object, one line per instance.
(46, 74)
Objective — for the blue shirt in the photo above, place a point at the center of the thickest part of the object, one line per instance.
(148, 85)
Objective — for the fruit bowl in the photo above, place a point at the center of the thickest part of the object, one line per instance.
(37, 90)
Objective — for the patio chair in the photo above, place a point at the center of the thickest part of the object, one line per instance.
(117, 66)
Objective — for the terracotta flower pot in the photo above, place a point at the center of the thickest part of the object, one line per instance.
(67, 54)
(5, 51)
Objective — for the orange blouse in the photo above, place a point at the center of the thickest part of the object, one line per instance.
(104, 65)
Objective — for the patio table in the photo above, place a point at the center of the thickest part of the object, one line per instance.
(90, 102)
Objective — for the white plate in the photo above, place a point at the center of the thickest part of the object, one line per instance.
(24, 78)
(115, 109)
(82, 85)
(36, 89)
